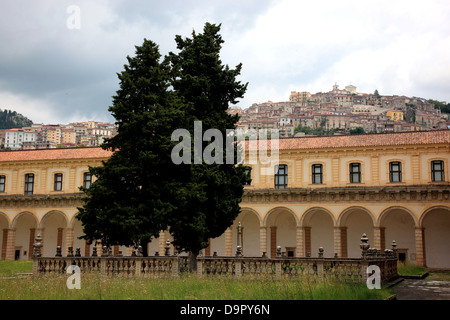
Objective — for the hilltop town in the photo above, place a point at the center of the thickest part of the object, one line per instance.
(339, 111)
(44, 136)
(342, 111)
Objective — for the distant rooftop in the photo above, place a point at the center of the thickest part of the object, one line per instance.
(363, 140)
(54, 154)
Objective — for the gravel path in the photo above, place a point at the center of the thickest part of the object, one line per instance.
(412, 289)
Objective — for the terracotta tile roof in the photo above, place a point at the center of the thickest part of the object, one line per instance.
(364, 140)
(54, 154)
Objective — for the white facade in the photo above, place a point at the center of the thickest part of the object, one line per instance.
(14, 138)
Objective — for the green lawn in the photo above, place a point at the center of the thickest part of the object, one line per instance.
(11, 268)
(439, 276)
(187, 287)
(410, 269)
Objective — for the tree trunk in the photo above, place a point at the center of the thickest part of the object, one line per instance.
(192, 258)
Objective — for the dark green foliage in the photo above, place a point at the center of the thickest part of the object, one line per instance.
(445, 108)
(11, 119)
(358, 130)
(320, 131)
(139, 191)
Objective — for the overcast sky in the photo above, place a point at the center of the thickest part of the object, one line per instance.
(53, 73)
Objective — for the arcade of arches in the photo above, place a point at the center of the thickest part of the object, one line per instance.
(299, 229)
(323, 192)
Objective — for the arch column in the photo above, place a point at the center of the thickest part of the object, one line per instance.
(262, 240)
(31, 243)
(69, 239)
(300, 247)
(229, 242)
(4, 243)
(208, 248)
(379, 241)
(307, 243)
(11, 243)
(420, 246)
(273, 242)
(343, 242)
(337, 241)
(87, 249)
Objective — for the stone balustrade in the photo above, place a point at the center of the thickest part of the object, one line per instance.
(239, 266)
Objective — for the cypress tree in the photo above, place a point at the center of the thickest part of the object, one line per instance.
(140, 191)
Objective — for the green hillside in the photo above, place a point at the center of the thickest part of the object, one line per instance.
(11, 119)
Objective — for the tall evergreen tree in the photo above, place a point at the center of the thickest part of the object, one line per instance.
(200, 79)
(131, 196)
(140, 191)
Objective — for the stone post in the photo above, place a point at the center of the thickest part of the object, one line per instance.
(138, 267)
(200, 268)
(237, 268)
(36, 253)
(239, 246)
(364, 245)
(167, 248)
(278, 269)
(58, 251)
(162, 242)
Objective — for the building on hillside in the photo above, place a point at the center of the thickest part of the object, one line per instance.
(299, 96)
(351, 89)
(320, 192)
(395, 115)
(15, 138)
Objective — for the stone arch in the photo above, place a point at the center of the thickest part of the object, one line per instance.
(276, 210)
(353, 222)
(428, 210)
(23, 213)
(250, 222)
(307, 214)
(398, 223)
(281, 224)
(435, 222)
(6, 218)
(53, 224)
(387, 210)
(347, 211)
(25, 227)
(318, 231)
(4, 226)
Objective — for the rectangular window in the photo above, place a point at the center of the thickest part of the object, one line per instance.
(58, 181)
(437, 171)
(355, 173)
(281, 176)
(395, 171)
(87, 180)
(317, 174)
(248, 172)
(2, 183)
(29, 184)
